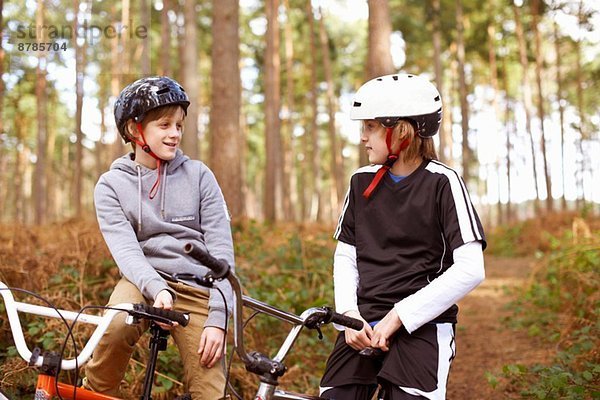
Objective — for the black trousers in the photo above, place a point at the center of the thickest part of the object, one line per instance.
(387, 391)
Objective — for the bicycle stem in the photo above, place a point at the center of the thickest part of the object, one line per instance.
(267, 309)
(238, 323)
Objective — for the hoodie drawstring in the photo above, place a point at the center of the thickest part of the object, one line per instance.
(154, 190)
(138, 167)
(163, 191)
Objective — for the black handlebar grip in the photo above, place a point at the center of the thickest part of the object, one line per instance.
(346, 321)
(219, 268)
(179, 317)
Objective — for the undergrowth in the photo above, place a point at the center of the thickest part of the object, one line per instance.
(540, 235)
(561, 305)
(287, 266)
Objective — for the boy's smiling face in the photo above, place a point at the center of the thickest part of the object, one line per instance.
(163, 136)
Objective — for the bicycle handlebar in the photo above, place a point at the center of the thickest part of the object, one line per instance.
(220, 268)
(160, 314)
(311, 318)
(142, 311)
(314, 321)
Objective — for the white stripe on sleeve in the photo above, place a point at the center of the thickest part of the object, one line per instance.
(467, 222)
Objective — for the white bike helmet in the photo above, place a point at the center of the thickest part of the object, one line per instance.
(390, 98)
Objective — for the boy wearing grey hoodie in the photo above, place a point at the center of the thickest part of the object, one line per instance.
(149, 204)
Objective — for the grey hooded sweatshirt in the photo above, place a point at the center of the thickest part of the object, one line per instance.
(145, 235)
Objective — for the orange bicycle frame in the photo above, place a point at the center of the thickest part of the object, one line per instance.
(46, 390)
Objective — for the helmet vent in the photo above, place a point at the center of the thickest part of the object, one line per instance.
(356, 104)
(436, 98)
(379, 79)
(409, 76)
(163, 90)
(395, 77)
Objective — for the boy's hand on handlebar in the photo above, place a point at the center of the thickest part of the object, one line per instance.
(383, 331)
(164, 299)
(358, 340)
(211, 346)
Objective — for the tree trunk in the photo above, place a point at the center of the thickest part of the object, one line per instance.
(509, 211)
(289, 187)
(102, 159)
(494, 83)
(467, 157)
(379, 55)
(316, 195)
(145, 45)
(561, 113)
(124, 60)
(66, 175)
(52, 210)
(337, 168)
(189, 143)
(539, 66)
(21, 127)
(79, 70)
(527, 99)
(180, 40)
(226, 144)
(582, 136)
(39, 177)
(165, 40)
(272, 106)
(3, 156)
(445, 134)
(509, 121)
(120, 69)
(450, 100)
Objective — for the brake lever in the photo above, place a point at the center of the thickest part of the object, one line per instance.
(207, 280)
(320, 333)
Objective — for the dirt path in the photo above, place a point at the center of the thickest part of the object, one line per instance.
(484, 342)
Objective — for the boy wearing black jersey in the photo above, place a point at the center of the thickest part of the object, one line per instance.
(410, 245)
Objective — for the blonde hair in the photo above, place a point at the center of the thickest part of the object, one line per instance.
(419, 146)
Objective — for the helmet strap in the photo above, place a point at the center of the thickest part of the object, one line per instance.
(391, 160)
(144, 146)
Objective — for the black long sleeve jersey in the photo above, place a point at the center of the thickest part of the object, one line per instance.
(405, 233)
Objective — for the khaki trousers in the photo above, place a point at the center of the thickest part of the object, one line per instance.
(106, 369)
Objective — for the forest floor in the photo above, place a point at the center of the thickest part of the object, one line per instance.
(485, 341)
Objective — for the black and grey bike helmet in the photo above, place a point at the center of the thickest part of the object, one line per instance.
(144, 95)
(390, 98)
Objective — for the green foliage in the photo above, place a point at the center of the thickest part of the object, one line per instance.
(562, 307)
(504, 241)
(288, 267)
